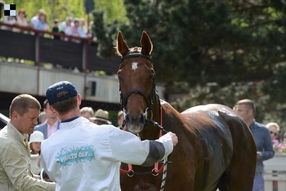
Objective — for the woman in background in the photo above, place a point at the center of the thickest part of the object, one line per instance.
(36, 139)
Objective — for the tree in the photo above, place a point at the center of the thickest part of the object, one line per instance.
(61, 9)
(233, 45)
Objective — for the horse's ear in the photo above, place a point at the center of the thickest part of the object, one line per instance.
(146, 44)
(121, 45)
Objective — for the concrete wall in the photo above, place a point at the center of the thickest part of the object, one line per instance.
(22, 78)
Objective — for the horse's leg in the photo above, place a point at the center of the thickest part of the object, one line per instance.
(240, 173)
(222, 186)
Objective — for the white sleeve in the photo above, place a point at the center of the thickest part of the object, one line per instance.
(128, 148)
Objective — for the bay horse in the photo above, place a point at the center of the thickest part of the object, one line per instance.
(216, 149)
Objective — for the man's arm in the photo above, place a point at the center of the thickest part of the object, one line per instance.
(128, 148)
(268, 151)
(16, 168)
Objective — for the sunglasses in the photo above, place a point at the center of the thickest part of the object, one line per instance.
(271, 132)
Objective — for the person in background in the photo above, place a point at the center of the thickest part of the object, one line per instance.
(52, 123)
(15, 159)
(87, 112)
(42, 117)
(57, 29)
(246, 109)
(36, 139)
(274, 131)
(82, 29)
(101, 117)
(66, 23)
(67, 27)
(36, 17)
(41, 23)
(21, 20)
(74, 30)
(9, 20)
(84, 156)
(120, 119)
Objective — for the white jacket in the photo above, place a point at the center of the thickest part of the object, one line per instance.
(84, 156)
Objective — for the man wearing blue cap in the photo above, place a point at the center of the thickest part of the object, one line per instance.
(84, 156)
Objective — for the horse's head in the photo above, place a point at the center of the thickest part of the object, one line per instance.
(137, 81)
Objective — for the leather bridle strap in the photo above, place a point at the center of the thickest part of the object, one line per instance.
(134, 91)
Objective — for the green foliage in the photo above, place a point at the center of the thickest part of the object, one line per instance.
(61, 9)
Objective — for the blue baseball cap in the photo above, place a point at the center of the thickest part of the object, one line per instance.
(55, 89)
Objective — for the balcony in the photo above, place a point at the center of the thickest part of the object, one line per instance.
(32, 46)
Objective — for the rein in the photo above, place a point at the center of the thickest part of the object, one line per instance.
(155, 171)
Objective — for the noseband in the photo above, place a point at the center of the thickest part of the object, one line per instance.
(149, 101)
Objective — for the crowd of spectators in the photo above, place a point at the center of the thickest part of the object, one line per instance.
(75, 27)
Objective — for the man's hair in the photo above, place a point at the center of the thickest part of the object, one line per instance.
(249, 103)
(64, 106)
(42, 115)
(22, 103)
(87, 109)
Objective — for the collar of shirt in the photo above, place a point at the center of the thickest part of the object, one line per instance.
(70, 119)
(252, 125)
(22, 138)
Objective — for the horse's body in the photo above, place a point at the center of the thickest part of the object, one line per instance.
(215, 149)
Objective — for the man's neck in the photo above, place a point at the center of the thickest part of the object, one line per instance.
(249, 122)
(69, 115)
(52, 121)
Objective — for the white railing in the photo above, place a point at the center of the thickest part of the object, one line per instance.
(275, 173)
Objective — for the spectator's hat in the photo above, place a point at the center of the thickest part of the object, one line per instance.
(101, 115)
(37, 136)
(60, 91)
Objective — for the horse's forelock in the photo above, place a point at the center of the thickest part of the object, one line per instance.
(135, 49)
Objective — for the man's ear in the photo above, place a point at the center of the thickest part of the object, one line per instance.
(14, 115)
(78, 99)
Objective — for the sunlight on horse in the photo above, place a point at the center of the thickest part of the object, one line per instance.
(216, 149)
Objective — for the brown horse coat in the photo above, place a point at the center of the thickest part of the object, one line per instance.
(215, 149)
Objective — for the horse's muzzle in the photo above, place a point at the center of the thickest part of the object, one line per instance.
(135, 124)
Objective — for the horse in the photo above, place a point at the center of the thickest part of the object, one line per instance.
(216, 149)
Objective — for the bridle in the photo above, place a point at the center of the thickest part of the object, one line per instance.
(149, 100)
(156, 170)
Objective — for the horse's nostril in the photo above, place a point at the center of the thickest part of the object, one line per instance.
(142, 119)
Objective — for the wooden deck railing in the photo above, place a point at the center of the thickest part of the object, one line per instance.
(31, 45)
